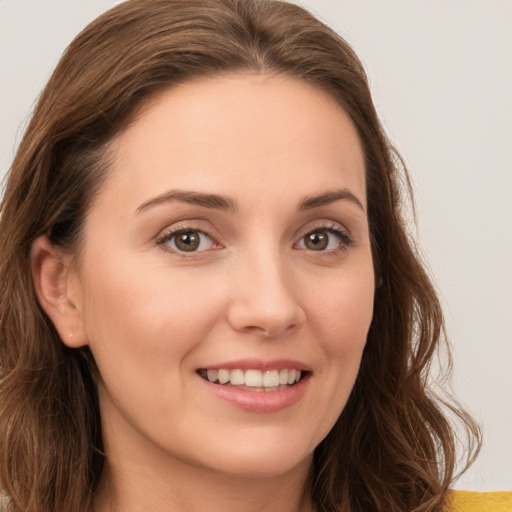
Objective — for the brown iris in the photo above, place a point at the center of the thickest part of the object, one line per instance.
(317, 241)
(187, 241)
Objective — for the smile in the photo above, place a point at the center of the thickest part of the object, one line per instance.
(253, 379)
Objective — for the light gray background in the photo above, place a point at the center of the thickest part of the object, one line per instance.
(441, 74)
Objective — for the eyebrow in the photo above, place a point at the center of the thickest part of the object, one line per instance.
(329, 197)
(214, 201)
(226, 203)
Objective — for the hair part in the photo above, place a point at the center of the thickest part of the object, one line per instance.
(393, 448)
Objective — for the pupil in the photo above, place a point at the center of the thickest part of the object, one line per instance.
(187, 241)
(317, 241)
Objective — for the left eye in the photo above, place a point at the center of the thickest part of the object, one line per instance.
(189, 240)
(321, 240)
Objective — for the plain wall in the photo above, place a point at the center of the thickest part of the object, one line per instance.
(441, 75)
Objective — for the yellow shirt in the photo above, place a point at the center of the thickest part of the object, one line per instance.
(470, 501)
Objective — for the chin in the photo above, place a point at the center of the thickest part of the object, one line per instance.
(259, 456)
(258, 467)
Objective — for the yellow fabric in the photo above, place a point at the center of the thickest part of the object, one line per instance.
(470, 501)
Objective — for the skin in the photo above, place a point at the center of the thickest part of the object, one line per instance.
(152, 315)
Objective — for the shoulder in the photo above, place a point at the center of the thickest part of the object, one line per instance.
(469, 501)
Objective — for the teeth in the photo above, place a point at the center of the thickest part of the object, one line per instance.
(271, 379)
(237, 378)
(224, 376)
(212, 375)
(254, 378)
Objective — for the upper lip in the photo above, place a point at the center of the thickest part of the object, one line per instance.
(259, 364)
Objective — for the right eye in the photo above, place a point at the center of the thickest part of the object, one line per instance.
(325, 239)
(187, 240)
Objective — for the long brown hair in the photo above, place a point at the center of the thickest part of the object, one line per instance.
(393, 448)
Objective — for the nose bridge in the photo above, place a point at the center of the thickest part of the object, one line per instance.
(264, 299)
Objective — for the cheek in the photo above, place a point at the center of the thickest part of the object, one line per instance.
(152, 316)
(142, 328)
(343, 310)
(343, 307)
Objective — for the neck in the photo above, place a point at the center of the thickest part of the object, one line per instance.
(189, 489)
(139, 480)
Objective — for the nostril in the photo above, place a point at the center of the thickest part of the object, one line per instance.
(269, 331)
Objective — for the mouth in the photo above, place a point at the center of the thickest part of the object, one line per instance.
(254, 379)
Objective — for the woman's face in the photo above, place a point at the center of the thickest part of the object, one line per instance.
(230, 242)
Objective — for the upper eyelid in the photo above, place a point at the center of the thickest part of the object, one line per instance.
(190, 225)
(322, 224)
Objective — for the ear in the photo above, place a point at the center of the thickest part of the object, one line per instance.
(57, 288)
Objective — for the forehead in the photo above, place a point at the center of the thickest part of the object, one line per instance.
(238, 133)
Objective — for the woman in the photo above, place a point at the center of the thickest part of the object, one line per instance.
(209, 299)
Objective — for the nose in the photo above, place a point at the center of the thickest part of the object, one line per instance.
(264, 297)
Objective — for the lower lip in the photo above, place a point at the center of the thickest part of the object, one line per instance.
(260, 401)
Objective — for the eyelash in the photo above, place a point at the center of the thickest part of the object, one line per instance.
(346, 239)
(168, 235)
